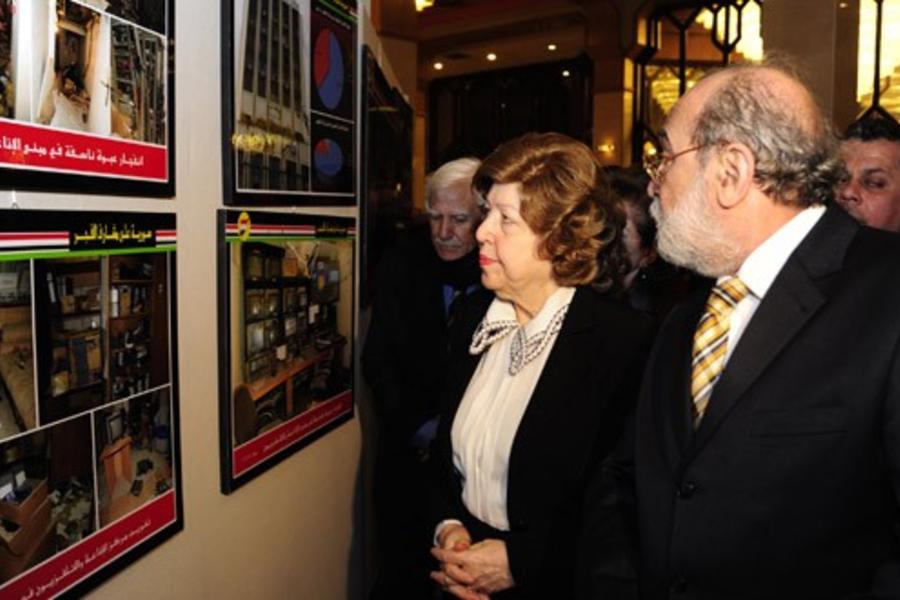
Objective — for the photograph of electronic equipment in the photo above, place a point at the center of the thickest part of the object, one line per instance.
(105, 335)
(287, 375)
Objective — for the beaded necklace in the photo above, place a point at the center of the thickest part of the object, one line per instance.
(524, 349)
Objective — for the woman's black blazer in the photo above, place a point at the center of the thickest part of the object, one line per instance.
(573, 420)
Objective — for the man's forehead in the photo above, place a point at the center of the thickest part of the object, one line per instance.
(884, 153)
(452, 201)
(439, 209)
(677, 123)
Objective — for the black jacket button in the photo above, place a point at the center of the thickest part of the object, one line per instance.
(685, 489)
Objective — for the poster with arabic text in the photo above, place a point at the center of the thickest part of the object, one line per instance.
(87, 96)
(286, 322)
(89, 436)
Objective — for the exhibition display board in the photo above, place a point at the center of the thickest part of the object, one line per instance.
(286, 322)
(385, 207)
(86, 96)
(289, 94)
(89, 421)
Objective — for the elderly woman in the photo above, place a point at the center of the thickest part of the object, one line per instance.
(541, 393)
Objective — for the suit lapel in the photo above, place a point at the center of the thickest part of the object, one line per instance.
(783, 312)
(564, 368)
(671, 390)
(793, 299)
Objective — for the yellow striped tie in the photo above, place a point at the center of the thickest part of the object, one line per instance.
(711, 341)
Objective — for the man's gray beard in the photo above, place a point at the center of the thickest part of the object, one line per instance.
(689, 236)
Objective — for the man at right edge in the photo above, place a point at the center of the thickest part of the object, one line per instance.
(766, 452)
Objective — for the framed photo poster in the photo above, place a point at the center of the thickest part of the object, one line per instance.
(286, 290)
(89, 438)
(289, 91)
(87, 96)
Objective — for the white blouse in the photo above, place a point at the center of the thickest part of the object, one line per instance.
(496, 398)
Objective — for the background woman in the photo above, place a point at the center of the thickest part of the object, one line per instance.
(651, 285)
(541, 393)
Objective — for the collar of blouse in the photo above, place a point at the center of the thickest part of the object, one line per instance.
(529, 340)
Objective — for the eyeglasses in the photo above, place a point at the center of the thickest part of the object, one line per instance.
(657, 164)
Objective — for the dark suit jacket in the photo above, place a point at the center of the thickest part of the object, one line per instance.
(789, 488)
(405, 360)
(574, 418)
(406, 351)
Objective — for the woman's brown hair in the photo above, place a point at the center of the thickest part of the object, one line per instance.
(565, 200)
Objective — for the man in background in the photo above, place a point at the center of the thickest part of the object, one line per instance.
(420, 286)
(871, 152)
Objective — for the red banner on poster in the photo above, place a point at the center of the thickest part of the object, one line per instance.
(70, 566)
(35, 147)
(272, 442)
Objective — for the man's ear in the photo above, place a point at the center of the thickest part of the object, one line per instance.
(735, 166)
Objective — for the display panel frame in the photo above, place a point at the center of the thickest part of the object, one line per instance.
(133, 501)
(58, 136)
(385, 178)
(295, 385)
(298, 149)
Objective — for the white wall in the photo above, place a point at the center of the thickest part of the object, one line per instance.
(290, 532)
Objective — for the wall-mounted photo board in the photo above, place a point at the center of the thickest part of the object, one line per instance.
(89, 442)
(289, 91)
(87, 96)
(286, 310)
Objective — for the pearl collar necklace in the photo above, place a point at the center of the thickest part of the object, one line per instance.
(524, 347)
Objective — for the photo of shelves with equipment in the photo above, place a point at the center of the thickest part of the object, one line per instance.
(291, 340)
(105, 331)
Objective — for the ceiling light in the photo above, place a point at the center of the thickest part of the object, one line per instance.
(423, 4)
(551, 47)
(491, 56)
(565, 73)
(843, 4)
(438, 66)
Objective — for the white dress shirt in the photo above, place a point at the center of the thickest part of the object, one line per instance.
(496, 398)
(762, 266)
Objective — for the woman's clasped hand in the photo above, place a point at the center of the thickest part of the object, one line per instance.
(471, 571)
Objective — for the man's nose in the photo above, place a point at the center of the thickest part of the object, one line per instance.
(849, 193)
(445, 231)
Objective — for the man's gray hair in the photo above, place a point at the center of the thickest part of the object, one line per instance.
(795, 163)
(448, 175)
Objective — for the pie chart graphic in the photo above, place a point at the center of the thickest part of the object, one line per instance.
(328, 158)
(328, 68)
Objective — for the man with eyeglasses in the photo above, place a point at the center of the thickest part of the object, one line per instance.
(765, 457)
